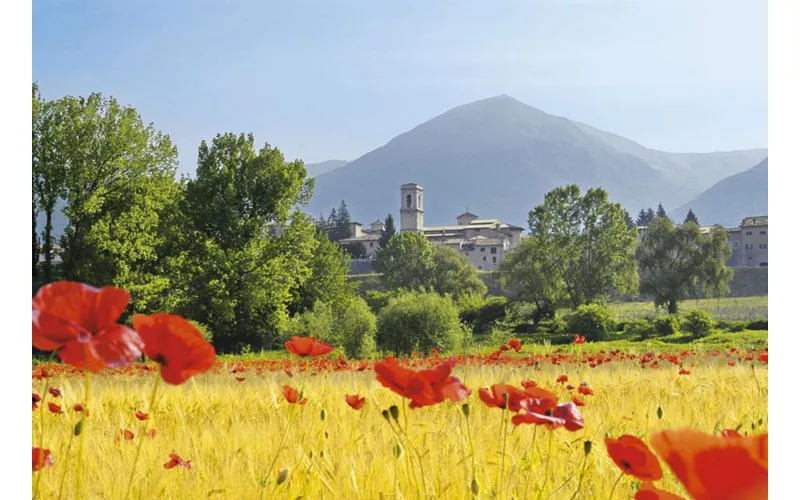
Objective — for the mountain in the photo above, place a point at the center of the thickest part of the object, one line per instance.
(315, 169)
(731, 199)
(499, 156)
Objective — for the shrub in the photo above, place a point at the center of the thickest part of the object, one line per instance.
(377, 300)
(204, 331)
(419, 321)
(732, 326)
(667, 325)
(698, 322)
(554, 325)
(593, 321)
(348, 324)
(640, 328)
(758, 324)
(479, 313)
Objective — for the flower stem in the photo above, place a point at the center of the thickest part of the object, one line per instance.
(419, 458)
(615, 485)
(504, 424)
(79, 462)
(547, 462)
(533, 453)
(150, 411)
(41, 427)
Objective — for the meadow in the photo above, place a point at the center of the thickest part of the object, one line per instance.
(726, 308)
(243, 439)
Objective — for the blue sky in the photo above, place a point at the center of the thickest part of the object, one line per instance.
(336, 79)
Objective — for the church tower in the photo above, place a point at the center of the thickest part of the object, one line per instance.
(411, 213)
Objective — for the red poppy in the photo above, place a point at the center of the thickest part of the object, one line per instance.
(713, 467)
(288, 372)
(239, 379)
(515, 344)
(634, 457)
(54, 392)
(176, 345)
(124, 433)
(684, 371)
(562, 378)
(570, 387)
(731, 363)
(292, 396)
(528, 383)
(41, 459)
(151, 434)
(140, 415)
(564, 415)
(307, 346)
(578, 401)
(585, 390)
(80, 408)
(354, 401)
(650, 492)
(174, 460)
(504, 347)
(36, 399)
(502, 396)
(79, 321)
(730, 433)
(423, 388)
(578, 339)
(54, 408)
(763, 356)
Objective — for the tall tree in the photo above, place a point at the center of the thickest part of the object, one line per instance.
(678, 262)
(388, 231)
(660, 211)
(691, 217)
(641, 219)
(406, 262)
(328, 280)
(454, 274)
(629, 220)
(585, 238)
(650, 216)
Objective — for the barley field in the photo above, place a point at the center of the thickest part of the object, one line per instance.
(242, 439)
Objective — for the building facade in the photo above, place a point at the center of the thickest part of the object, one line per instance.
(369, 237)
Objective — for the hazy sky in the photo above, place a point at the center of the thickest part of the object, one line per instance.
(336, 79)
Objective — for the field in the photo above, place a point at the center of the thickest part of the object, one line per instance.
(238, 431)
(729, 308)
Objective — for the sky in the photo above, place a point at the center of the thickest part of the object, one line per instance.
(332, 79)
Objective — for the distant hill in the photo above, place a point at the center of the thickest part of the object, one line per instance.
(315, 169)
(731, 199)
(499, 156)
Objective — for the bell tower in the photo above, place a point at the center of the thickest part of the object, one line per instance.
(411, 212)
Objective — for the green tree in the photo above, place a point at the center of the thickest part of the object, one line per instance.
(677, 262)
(406, 262)
(388, 231)
(660, 211)
(587, 242)
(641, 219)
(650, 216)
(339, 223)
(691, 217)
(453, 274)
(355, 249)
(328, 280)
(629, 220)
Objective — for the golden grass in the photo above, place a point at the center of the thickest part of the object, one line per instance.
(232, 432)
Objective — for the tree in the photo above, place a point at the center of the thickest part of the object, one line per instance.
(641, 219)
(650, 216)
(328, 280)
(406, 262)
(661, 212)
(454, 274)
(677, 262)
(387, 232)
(355, 249)
(629, 220)
(691, 217)
(586, 242)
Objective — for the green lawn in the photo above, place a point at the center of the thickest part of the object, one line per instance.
(741, 308)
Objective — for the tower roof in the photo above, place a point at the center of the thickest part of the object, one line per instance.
(411, 184)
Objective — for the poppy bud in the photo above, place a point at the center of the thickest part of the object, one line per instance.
(465, 409)
(587, 447)
(322, 415)
(659, 413)
(475, 487)
(398, 451)
(283, 474)
(326, 434)
(385, 414)
(78, 428)
(321, 453)
(395, 412)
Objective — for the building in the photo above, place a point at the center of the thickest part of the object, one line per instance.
(748, 242)
(369, 237)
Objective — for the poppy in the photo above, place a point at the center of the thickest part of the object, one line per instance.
(731, 363)
(423, 388)
(239, 379)
(578, 339)
(150, 434)
(176, 345)
(41, 459)
(36, 399)
(713, 467)
(292, 396)
(504, 347)
(633, 456)
(54, 408)
(54, 392)
(650, 492)
(515, 344)
(570, 387)
(174, 460)
(307, 346)
(730, 433)
(80, 322)
(528, 383)
(354, 401)
(124, 433)
(684, 371)
(502, 396)
(562, 378)
(80, 408)
(578, 401)
(140, 415)
(585, 390)
(763, 356)
(564, 415)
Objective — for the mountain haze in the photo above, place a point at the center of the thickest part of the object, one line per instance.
(498, 157)
(731, 199)
(315, 169)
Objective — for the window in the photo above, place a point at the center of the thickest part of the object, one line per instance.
(479, 267)
(748, 246)
(408, 201)
(762, 246)
(494, 259)
(483, 249)
(370, 244)
(484, 258)
(763, 264)
(748, 233)
(494, 249)
(762, 232)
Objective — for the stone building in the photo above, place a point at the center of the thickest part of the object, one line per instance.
(369, 237)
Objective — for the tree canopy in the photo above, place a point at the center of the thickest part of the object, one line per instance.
(406, 262)
(387, 232)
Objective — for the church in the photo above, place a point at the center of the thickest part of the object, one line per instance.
(484, 242)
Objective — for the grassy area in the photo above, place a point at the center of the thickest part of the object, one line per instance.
(734, 308)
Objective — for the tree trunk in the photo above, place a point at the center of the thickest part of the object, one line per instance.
(35, 249)
(672, 307)
(48, 244)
